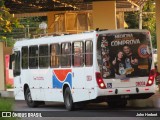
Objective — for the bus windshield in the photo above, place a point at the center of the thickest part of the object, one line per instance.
(124, 54)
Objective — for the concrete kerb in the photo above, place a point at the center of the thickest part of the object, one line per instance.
(8, 94)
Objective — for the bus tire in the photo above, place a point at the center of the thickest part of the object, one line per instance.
(29, 100)
(68, 100)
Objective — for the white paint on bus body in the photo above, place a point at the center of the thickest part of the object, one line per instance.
(47, 84)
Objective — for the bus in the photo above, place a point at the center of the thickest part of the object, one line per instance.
(96, 66)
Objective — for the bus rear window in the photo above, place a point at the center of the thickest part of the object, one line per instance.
(122, 55)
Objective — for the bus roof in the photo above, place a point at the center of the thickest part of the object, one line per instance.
(71, 37)
(56, 39)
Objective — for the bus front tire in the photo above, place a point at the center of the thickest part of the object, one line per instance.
(28, 99)
(68, 100)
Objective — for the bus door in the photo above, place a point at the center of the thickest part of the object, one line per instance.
(37, 63)
(17, 73)
(79, 72)
(89, 75)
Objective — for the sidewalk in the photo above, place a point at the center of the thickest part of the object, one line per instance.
(153, 101)
(8, 93)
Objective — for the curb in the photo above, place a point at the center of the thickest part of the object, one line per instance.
(9, 94)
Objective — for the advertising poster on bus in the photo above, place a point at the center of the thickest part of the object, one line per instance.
(124, 55)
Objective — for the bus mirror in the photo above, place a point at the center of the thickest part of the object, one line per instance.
(11, 60)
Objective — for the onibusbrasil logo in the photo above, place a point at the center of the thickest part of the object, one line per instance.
(20, 114)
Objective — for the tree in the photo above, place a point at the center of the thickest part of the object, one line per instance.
(7, 22)
(149, 20)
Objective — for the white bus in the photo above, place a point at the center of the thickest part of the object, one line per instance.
(111, 65)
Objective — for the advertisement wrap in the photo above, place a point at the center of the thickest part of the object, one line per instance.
(124, 55)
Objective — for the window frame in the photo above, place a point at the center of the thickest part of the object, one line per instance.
(66, 54)
(46, 56)
(17, 67)
(30, 67)
(82, 53)
(59, 55)
(24, 57)
(89, 53)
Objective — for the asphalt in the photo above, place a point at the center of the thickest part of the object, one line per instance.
(94, 111)
(57, 111)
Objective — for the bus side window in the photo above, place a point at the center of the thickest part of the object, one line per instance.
(24, 57)
(66, 54)
(55, 55)
(88, 53)
(78, 54)
(43, 56)
(33, 57)
(16, 68)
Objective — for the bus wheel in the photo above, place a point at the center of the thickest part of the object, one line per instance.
(29, 100)
(68, 100)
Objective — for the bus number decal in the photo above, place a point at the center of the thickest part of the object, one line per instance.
(141, 83)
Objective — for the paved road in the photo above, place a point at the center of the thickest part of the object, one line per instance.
(91, 111)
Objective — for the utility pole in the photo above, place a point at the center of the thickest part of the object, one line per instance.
(140, 16)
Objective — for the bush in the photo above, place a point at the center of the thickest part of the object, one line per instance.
(9, 86)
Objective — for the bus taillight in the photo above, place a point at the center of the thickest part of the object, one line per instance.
(151, 77)
(100, 81)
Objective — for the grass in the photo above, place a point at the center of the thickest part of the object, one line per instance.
(9, 86)
(6, 104)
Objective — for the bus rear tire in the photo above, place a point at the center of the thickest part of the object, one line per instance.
(68, 100)
(28, 99)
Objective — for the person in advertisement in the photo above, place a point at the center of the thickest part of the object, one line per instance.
(131, 61)
(105, 57)
(119, 65)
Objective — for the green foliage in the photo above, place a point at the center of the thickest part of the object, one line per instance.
(131, 19)
(149, 20)
(9, 41)
(33, 24)
(149, 6)
(8, 86)
(12, 28)
(7, 22)
(1, 3)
